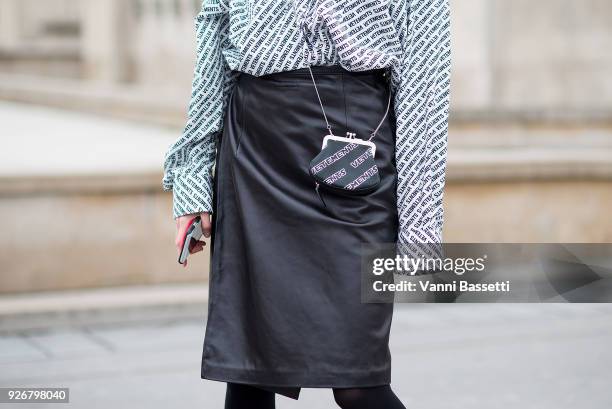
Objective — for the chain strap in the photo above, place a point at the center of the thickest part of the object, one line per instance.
(329, 128)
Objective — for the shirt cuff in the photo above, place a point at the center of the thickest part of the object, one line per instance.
(192, 193)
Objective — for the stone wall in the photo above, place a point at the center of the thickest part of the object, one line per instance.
(533, 58)
(87, 233)
(530, 155)
(512, 58)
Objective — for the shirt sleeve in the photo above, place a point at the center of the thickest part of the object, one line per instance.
(421, 84)
(189, 160)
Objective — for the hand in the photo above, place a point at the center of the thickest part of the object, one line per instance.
(181, 225)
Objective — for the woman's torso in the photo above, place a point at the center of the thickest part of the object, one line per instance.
(265, 36)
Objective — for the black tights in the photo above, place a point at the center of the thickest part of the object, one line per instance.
(378, 397)
(240, 396)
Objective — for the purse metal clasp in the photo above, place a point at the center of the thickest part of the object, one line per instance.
(350, 138)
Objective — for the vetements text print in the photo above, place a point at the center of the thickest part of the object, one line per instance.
(362, 158)
(260, 37)
(334, 158)
(336, 176)
(362, 178)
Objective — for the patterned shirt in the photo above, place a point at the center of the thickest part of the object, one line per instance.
(259, 37)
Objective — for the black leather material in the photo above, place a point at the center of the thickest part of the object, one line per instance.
(285, 307)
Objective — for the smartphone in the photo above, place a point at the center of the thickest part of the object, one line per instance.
(193, 233)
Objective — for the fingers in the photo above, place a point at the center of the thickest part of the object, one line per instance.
(181, 227)
(197, 247)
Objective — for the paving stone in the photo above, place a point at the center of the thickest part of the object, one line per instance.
(18, 349)
(67, 343)
(512, 356)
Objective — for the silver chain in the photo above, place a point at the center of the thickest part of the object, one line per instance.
(329, 128)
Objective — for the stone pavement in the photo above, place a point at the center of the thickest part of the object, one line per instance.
(444, 356)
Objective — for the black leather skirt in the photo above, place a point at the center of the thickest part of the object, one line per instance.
(285, 308)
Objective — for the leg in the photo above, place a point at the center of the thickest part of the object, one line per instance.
(367, 398)
(239, 396)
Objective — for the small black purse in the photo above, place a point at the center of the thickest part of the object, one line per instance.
(345, 165)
